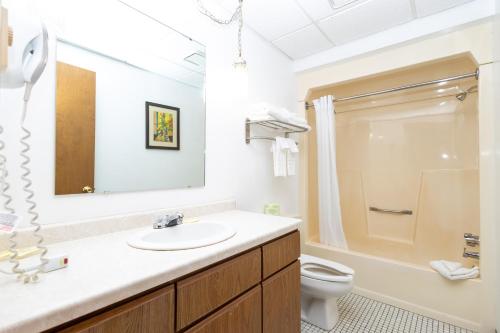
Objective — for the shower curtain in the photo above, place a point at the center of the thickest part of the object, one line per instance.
(331, 231)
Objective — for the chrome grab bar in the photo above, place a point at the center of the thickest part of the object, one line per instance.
(390, 211)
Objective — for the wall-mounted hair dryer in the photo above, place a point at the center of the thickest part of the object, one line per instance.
(27, 58)
(28, 54)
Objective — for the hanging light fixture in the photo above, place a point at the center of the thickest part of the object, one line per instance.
(240, 64)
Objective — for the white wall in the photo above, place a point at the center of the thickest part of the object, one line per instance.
(122, 162)
(233, 169)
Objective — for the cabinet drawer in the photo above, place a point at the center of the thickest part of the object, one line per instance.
(280, 253)
(152, 313)
(244, 315)
(281, 301)
(204, 292)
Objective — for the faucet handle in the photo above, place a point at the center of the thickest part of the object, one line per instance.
(159, 222)
(164, 221)
(471, 239)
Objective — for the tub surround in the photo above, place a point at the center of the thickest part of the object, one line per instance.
(104, 270)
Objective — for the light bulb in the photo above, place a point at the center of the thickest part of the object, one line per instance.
(240, 64)
(240, 79)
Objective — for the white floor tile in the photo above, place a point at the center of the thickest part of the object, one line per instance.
(359, 314)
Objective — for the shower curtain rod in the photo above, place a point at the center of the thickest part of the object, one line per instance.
(405, 87)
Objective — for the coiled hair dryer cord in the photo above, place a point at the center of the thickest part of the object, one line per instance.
(4, 188)
(29, 199)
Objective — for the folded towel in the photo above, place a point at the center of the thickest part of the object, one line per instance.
(259, 111)
(451, 265)
(286, 116)
(267, 111)
(454, 270)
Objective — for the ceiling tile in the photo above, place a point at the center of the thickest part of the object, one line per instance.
(306, 41)
(429, 7)
(320, 9)
(317, 9)
(366, 18)
(271, 19)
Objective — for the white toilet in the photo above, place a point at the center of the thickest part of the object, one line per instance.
(322, 282)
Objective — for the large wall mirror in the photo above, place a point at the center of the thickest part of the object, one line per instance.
(130, 103)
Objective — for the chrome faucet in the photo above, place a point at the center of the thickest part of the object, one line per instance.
(470, 254)
(167, 221)
(471, 239)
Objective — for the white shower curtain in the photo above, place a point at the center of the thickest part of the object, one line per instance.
(331, 231)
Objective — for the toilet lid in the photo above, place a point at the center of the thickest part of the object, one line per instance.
(324, 270)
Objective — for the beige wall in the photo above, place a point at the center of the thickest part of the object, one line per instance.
(477, 41)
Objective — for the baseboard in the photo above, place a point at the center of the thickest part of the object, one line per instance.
(418, 309)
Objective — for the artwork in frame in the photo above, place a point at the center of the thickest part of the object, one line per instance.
(162, 127)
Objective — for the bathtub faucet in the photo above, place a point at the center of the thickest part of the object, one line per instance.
(470, 254)
(471, 239)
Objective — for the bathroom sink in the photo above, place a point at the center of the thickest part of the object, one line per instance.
(181, 237)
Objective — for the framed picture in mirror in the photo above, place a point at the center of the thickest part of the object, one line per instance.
(162, 126)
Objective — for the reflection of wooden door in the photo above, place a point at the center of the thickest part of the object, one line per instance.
(75, 129)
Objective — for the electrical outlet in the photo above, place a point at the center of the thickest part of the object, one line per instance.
(4, 38)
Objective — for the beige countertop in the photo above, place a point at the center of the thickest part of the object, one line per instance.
(104, 270)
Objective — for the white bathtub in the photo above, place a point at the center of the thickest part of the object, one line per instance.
(412, 287)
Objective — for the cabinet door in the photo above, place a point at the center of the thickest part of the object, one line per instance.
(206, 291)
(153, 313)
(244, 315)
(281, 301)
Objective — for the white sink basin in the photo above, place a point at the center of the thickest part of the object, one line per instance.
(181, 237)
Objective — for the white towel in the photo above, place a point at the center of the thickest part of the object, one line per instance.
(454, 270)
(286, 116)
(291, 157)
(267, 111)
(259, 111)
(278, 149)
(284, 157)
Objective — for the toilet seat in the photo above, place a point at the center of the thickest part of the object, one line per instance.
(324, 270)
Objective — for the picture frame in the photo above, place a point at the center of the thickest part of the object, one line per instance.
(162, 127)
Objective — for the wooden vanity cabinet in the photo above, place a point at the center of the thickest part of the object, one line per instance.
(153, 313)
(281, 301)
(255, 292)
(206, 291)
(244, 315)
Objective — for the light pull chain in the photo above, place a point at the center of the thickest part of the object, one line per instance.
(237, 15)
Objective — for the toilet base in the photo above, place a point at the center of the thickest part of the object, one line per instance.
(323, 313)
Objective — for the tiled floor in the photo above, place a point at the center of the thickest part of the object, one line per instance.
(364, 315)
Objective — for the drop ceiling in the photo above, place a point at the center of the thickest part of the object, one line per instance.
(300, 28)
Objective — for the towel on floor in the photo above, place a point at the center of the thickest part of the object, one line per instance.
(454, 270)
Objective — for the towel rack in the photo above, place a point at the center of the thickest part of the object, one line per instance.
(281, 127)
